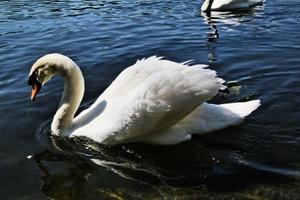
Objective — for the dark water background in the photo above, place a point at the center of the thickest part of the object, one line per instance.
(257, 51)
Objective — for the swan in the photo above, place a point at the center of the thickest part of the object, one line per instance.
(228, 5)
(153, 101)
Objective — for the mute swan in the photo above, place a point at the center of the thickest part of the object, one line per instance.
(227, 5)
(155, 101)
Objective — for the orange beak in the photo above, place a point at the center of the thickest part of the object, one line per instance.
(36, 87)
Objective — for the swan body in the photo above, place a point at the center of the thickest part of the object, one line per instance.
(155, 101)
(228, 5)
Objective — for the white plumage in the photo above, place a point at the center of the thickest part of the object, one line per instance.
(155, 100)
(228, 5)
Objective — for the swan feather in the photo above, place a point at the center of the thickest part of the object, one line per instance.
(149, 96)
(155, 100)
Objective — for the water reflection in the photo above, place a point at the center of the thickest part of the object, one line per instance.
(226, 19)
(81, 163)
(80, 168)
(259, 50)
(68, 181)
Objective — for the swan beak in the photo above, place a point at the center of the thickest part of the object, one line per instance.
(36, 87)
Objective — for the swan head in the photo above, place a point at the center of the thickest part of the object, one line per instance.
(44, 69)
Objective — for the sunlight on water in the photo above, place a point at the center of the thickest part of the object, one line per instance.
(256, 52)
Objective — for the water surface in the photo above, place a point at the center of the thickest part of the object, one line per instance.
(257, 52)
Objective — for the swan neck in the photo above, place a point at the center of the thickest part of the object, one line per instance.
(206, 7)
(71, 98)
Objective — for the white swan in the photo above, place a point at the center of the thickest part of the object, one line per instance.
(228, 5)
(155, 101)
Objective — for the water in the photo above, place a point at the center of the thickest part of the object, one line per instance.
(257, 52)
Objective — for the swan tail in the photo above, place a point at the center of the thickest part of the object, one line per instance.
(210, 117)
(242, 109)
(204, 119)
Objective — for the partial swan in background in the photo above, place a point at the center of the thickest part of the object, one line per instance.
(228, 5)
(155, 101)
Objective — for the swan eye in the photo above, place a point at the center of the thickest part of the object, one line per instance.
(32, 79)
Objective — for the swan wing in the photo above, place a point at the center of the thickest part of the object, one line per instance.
(126, 81)
(133, 76)
(154, 94)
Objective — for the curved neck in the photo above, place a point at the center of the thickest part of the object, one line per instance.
(206, 7)
(71, 98)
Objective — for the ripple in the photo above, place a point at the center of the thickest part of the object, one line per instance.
(256, 52)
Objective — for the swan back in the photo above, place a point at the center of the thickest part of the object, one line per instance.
(149, 96)
(227, 5)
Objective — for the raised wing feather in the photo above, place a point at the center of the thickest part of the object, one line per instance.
(145, 98)
(135, 75)
(159, 93)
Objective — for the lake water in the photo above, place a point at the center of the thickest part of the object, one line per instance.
(257, 52)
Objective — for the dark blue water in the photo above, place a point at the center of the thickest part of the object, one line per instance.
(257, 52)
